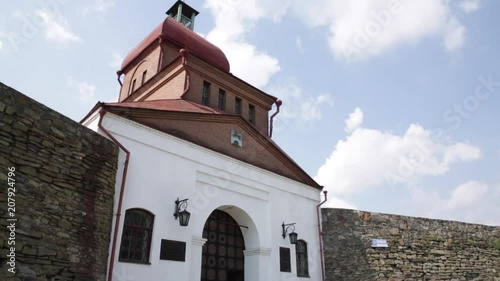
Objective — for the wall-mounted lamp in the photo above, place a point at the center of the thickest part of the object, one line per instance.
(181, 213)
(292, 235)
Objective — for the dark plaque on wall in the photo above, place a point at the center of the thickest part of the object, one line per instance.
(285, 263)
(173, 250)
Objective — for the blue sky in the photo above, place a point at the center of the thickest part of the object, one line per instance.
(391, 105)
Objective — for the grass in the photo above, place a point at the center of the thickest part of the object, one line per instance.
(496, 244)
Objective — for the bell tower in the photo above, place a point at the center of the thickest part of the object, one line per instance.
(183, 13)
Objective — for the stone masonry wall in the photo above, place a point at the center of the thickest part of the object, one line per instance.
(64, 179)
(419, 249)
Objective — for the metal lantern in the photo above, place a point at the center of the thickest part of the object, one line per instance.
(181, 213)
(293, 235)
(184, 218)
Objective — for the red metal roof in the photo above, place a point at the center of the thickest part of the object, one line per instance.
(184, 37)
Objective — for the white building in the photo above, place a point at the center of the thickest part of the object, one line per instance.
(189, 129)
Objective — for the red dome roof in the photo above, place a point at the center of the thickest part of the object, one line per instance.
(184, 37)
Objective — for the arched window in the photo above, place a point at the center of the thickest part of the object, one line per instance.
(136, 237)
(302, 264)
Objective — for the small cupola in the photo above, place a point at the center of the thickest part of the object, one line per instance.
(183, 13)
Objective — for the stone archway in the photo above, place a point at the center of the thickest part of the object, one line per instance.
(222, 255)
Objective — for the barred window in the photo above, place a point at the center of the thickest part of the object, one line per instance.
(237, 106)
(136, 236)
(251, 113)
(302, 264)
(222, 99)
(205, 95)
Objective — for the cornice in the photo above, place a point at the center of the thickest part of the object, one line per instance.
(229, 82)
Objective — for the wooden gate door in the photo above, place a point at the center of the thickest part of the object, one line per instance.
(222, 254)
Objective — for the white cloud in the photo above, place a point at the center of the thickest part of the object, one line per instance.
(3, 27)
(367, 158)
(467, 195)
(99, 6)
(253, 66)
(86, 91)
(299, 44)
(296, 104)
(472, 201)
(335, 202)
(359, 29)
(233, 20)
(116, 60)
(310, 109)
(354, 121)
(469, 6)
(455, 36)
(57, 27)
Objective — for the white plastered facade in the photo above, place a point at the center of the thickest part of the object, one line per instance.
(163, 168)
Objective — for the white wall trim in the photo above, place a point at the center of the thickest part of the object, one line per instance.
(232, 185)
(257, 252)
(198, 241)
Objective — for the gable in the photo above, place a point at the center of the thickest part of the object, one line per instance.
(213, 131)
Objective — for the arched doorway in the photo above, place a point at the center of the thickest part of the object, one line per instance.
(222, 254)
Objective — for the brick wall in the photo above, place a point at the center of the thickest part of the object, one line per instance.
(64, 179)
(143, 63)
(419, 249)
